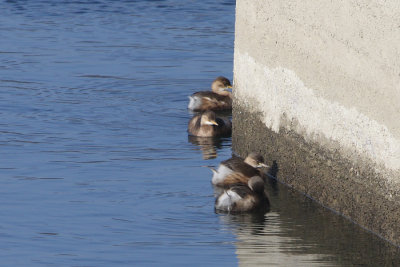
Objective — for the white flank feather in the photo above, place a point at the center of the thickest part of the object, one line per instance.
(220, 174)
(194, 102)
(226, 200)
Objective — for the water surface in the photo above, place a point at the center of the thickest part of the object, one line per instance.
(97, 168)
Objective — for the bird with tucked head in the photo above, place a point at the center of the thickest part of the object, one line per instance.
(243, 197)
(207, 124)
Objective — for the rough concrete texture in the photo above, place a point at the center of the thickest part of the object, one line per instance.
(317, 88)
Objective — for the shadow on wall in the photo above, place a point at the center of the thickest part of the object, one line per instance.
(272, 175)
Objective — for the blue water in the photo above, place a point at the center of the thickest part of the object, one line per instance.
(96, 165)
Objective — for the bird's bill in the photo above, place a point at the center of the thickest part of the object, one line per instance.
(212, 122)
(262, 165)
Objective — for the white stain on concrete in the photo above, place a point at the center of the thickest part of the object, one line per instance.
(278, 92)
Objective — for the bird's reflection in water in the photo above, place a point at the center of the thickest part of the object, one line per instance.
(252, 223)
(208, 145)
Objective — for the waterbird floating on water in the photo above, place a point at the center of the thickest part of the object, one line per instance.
(207, 124)
(246, 168)
(243, 197)
(220, 98)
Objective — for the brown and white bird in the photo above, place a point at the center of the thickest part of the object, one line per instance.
(207, 124)
(236, 168)
(243, 197)
(219, 98)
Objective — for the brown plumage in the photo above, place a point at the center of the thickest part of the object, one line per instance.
(233, 179)
(207, 124)
(217, 99)
(245, 197)
(237, 168)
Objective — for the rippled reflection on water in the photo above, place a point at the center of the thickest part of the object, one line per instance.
(97, 168)
(298, 232)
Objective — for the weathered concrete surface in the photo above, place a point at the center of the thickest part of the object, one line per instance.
(317, 89)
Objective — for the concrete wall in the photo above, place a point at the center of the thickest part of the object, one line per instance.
(317, 91)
